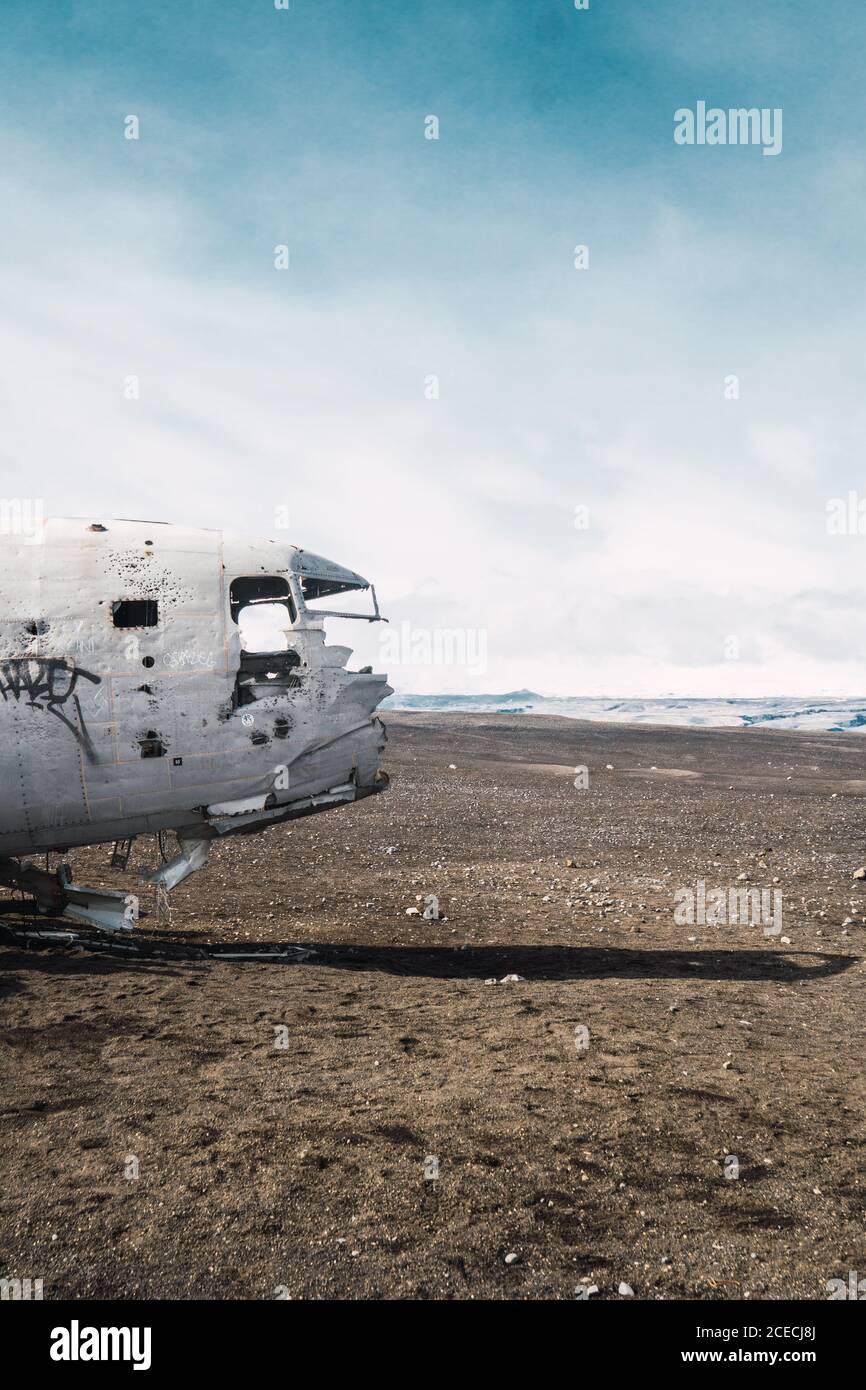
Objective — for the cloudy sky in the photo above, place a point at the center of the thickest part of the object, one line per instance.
(705, 566)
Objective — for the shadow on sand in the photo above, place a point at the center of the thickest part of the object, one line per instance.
(546, 962)
(582, 963)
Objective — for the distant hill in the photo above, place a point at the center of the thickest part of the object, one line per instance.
(785, 712)
(510, 698)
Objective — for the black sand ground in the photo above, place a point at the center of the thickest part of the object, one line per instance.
(421, 1125)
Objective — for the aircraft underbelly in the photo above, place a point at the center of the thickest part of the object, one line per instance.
(88, 783)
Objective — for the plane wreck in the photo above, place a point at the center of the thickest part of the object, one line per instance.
(132, 700)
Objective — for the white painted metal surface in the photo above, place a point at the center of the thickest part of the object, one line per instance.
(127, 705)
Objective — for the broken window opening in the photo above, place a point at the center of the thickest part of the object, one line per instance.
(135, 612)
(355, 600)
(265, 673)
(313, 587)
(252, 590)
(264, 627)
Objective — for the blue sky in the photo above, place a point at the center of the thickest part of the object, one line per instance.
(409, 257)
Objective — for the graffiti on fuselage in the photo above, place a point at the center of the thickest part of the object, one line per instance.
(48, 683)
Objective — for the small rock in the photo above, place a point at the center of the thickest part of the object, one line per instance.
(512, 1258)
(513, 980)
(625, 1291)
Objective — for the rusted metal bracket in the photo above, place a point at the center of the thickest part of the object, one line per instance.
(121, 852)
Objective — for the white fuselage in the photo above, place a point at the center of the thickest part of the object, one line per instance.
(128, 706)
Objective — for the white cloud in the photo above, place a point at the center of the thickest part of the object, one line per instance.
(706, 516)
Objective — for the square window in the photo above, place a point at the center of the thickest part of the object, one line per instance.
(135, 612)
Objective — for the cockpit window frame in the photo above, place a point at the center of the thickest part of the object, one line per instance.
(261, 588)
(304, 601)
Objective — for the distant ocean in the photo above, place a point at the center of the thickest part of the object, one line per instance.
(831, 714)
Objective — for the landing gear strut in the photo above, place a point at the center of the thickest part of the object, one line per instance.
(55, 893)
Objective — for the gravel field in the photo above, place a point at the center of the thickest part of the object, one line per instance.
(673, 1107)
